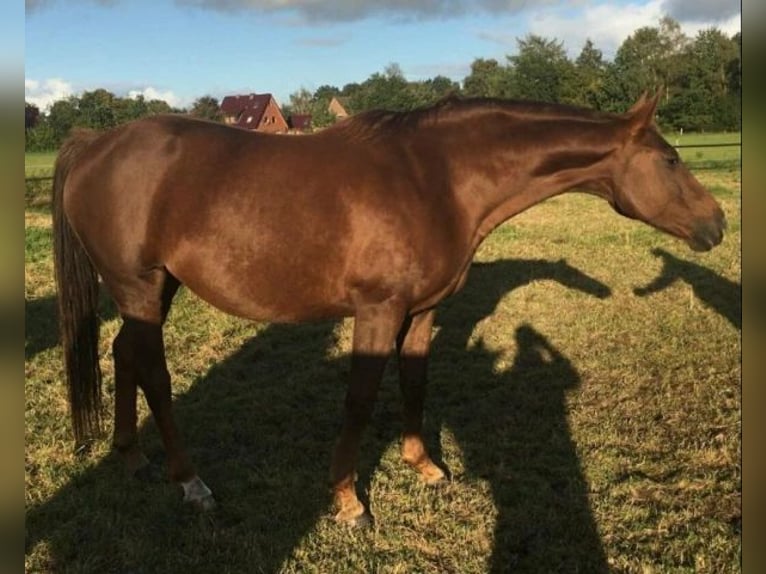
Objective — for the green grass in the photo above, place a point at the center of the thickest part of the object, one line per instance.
(585, 395)
(716, 158)
(696, 138)
(38, 170)
(39, 164)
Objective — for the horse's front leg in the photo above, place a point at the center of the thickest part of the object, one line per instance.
(413, 346)
(375, 329)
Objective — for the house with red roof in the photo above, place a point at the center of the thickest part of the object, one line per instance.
(256, 112)
(337, 108)
(299, 123)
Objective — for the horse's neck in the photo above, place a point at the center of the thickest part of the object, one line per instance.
(497, 179)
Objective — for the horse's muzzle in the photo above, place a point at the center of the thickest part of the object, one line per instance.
(708, 233)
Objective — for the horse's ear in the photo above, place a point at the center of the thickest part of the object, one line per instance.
(641, 113)
(639, 103)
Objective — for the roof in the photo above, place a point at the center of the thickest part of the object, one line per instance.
(247, 110)
(338, 105)
(300, 121)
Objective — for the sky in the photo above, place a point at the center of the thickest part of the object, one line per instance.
(180, 50)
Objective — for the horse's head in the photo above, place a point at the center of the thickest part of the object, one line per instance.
(652, 184)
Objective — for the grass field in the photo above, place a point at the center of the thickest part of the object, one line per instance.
(716, 158)
(39, 164)
(584, 394)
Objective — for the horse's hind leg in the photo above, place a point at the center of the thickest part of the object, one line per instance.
(126, 377)
(139, 353)
(125, 390)
(413, 345)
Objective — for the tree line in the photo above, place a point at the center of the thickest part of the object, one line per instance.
(701, 79)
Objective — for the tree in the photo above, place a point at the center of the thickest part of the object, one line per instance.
(442, 86)
(321, 116)
(649, 59)
(326, 92)
(706, 100)
(128, 109)
(31, 115)
(301, 102)
(734, 67)
(734, 78)
(38, 135)
(62, 116)
(97, 109)
(155, 107)
(386, 91)
(206, 107)
(488, 79)
(393, 71)
(589, 77)
(542, 70)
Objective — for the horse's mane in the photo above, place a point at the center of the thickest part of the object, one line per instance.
(376, 123)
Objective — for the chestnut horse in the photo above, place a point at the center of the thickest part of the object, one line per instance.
(376, 218)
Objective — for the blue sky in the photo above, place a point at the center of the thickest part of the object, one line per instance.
(178, 50)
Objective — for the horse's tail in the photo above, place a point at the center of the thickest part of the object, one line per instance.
(77, 287)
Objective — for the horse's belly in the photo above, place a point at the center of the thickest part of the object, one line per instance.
(268, 292)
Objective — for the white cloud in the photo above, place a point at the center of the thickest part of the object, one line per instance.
(730, 26)
(608, 24)
(150, 93)
(43, 93)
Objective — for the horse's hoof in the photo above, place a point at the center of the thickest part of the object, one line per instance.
(363, 521)
(437, 483)
(434, 476)
(204, 504)
(198, 494)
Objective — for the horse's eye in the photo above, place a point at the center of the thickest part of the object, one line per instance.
(671, 160)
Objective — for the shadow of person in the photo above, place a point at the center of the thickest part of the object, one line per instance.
(261, 426)
(512, 426)
(718, 293)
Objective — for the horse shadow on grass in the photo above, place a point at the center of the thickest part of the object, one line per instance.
(261, 431)
(41, 325)
(718, 293)
(41, 330)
